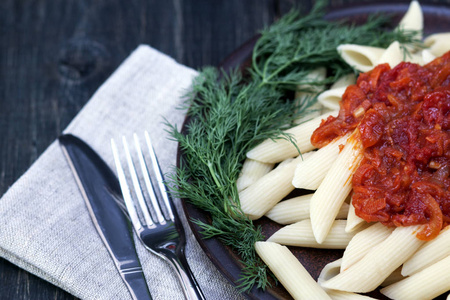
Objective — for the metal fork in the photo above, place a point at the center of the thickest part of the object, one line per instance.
(163, 236)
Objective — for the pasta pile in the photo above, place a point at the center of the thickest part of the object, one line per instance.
(406, 267)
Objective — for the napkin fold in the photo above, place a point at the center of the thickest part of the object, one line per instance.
(45, 227)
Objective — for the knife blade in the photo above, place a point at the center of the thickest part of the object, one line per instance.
(100, 189)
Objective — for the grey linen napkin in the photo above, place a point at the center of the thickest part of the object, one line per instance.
(45, 227)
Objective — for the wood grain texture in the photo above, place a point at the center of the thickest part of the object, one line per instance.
(55, 54)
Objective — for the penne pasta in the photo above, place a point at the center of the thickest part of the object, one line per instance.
(289, 271)
(438, 43)
(261, 196)
(343, 211)
(393, 278)
(331, 98)
(310, 173)
(251, 171)
(362, 58)
(344, 81)
(300, 234)
(330, 270)
(413, 19)
(427, 56)
(393, 55)
(297, 209)
(363, 242)
(291, 210)
(340, 295)
(426, 284)
(416, 58)
(313, 111)
(286, 162)
(306, 155)
(429, 253)
(353, 221)
(369, 272)
(335, 188)
(273, 151)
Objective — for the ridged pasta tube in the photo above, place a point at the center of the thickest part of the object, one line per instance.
(438, 43)
(429, 253)
(340, 295)
(426, 284)
(273, 151)
(363, 242)
(413, 19)
(289, 271)
(331, 98)
(251, 171)
(267, 191)
(369, 272)
(362, 58)
(335, 188)
(310, 172)
(297, 209)
(353, 221)
(393, 55)
(300, 234)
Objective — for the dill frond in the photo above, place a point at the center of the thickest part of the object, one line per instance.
(288, 50)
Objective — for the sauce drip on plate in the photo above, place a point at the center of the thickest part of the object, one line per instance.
(403, 118)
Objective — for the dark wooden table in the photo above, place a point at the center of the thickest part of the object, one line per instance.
(55, 54)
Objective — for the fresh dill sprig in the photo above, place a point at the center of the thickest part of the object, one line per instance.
(229, 115)
(228, 118)
(288, 50)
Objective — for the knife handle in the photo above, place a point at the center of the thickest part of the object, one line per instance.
(137, 285)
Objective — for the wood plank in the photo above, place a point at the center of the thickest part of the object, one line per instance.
(55, 54)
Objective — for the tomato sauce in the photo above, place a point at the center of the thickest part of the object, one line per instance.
(403, 118)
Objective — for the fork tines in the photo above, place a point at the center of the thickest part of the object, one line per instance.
(138, 191)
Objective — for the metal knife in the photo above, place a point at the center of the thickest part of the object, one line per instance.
(100, 190)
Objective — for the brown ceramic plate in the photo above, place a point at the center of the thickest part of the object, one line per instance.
(437, 19)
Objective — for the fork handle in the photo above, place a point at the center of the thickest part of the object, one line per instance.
(188, 282)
